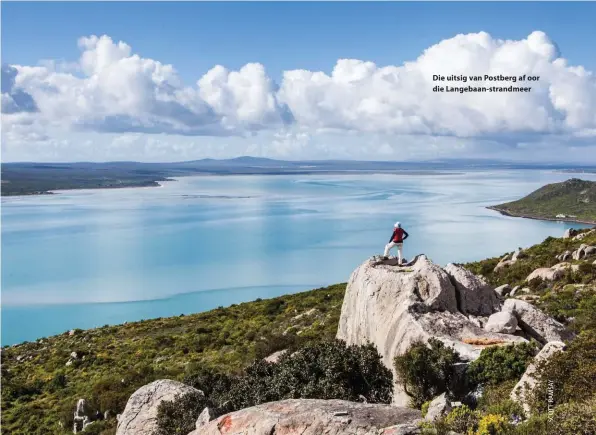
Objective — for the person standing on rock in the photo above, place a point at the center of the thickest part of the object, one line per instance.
(396, 240)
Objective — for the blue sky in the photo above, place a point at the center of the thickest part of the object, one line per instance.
(107, 92)
(194, 36)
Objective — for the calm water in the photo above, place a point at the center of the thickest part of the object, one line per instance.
(82, 259)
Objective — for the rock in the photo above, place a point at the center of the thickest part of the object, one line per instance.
(583, 251)
(535, 323)
(305, 314)
(274, 357)
(74, 355)
(81, 416)
(583, 235)
(71, 332)
(546, 274)
(392, 307)
(514, 290)
(503, 322)
(314, 417)
(503, 290)
(140, 414)
(527, 381)
(569, 233)
(204, 418)
(439, 407)
(518, 254)
(401, 429)
(474, 295)
(107, 415)
(565, 256)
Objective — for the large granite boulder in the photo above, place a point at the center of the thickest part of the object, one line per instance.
(474, 295)
(546, 274)
(140, 414)
(536, 323)
(314, 417)
(394, 306)
(503, 321)
(526, 384)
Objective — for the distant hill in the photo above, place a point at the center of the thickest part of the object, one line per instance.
(572, 200)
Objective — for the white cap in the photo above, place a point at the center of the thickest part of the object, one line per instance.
(397, 225)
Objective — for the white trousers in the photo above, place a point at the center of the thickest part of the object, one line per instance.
(391, 245)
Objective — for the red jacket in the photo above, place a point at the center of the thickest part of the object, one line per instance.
(399, 235)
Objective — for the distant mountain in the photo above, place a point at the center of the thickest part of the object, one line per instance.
(572, 200)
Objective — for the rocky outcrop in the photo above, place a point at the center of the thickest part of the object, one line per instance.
(82, 417)
(140, 414)
(583, 235)
(526, 384)
(535, 323)
(546, 274)
(473, 294)
(439, 407)
(583, 251)
(503, 321)
(564, 256)
(569, 233)
(503, 290)
(395, 306)
(313, 417)
(509, 260)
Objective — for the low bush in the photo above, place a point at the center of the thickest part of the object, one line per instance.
(326, 370)
(498, 364)
(426, 370)
(567, 376)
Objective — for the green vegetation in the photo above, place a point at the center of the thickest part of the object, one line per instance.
(326, 370)
(498, 364)
(574, 198)
(39, 391)
(216, 352)
(426, 370)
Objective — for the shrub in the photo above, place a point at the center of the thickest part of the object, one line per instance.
(424, 408)
(462, 420)
(495, 400)
(568, 376)
(573, 419)
(493, 424)
(498, 364)
(327, 370)
(426, 370)
(178, 416)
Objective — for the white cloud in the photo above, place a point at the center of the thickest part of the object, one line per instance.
(389, 111)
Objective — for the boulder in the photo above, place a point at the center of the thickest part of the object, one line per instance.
(313, 417)
(527, 381)
(275, 356)
(583, 251)
(439, 407)
(474, 295)
(546, 274)
(204, 418)
(503, 322)
(565, 256)
(518, 254)
(535, 323)
(583, 235)
(140, 414)
(393, 307)
(503, 290)
(569, 233)
(82, 417)
(514, 290)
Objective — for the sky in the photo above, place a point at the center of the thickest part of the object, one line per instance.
(153, 81)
